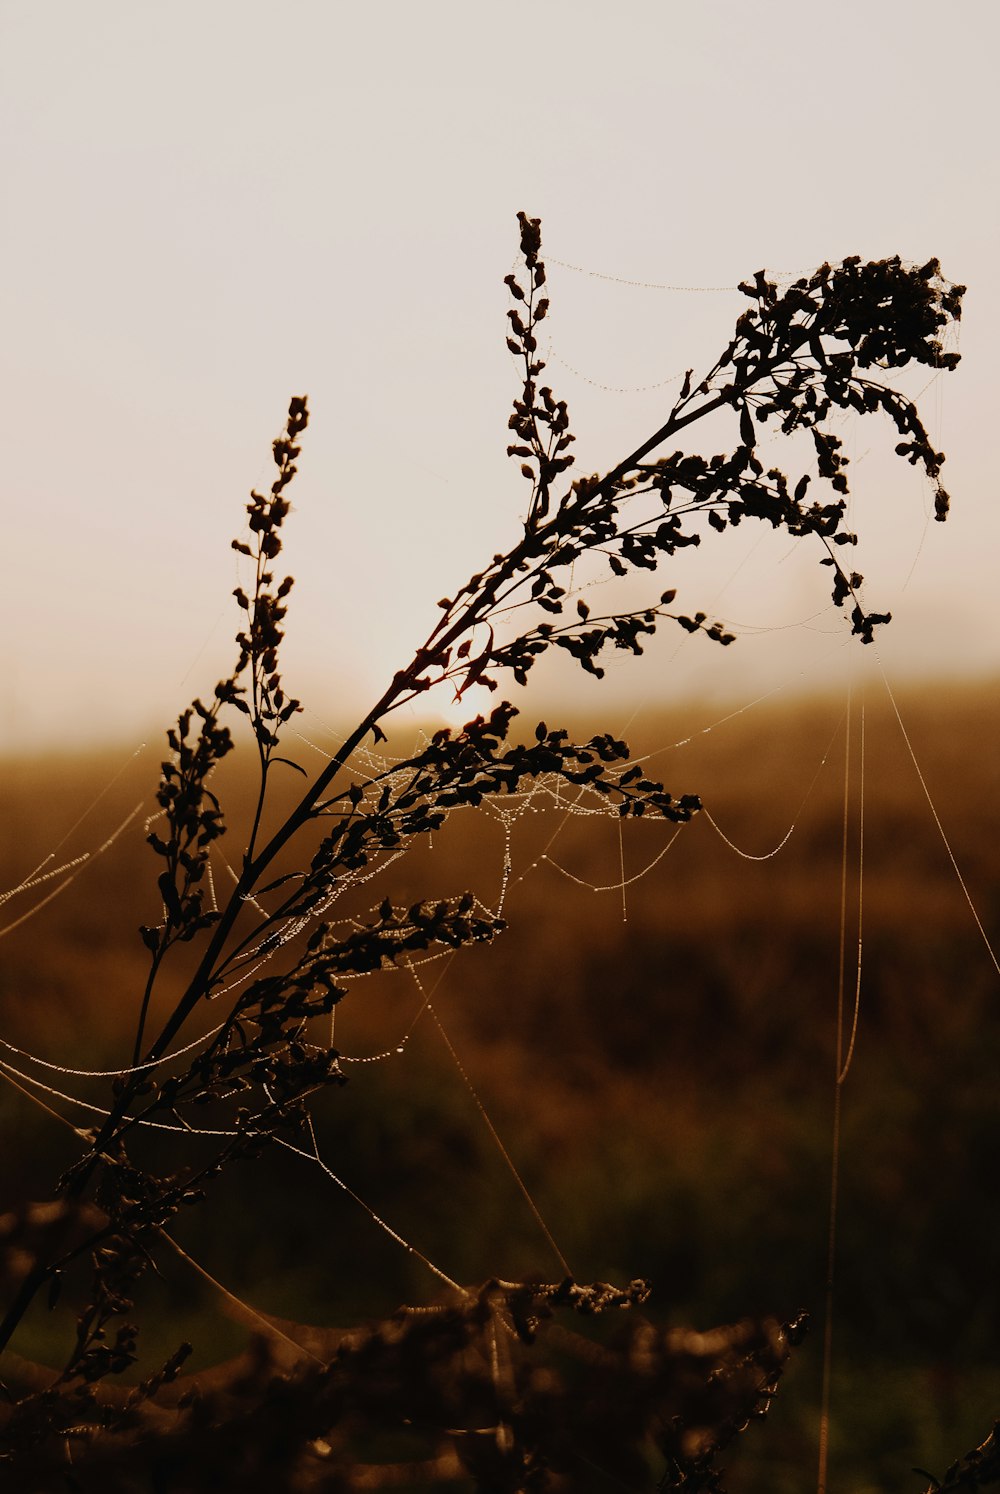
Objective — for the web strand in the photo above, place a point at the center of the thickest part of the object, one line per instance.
(621, 863)
(842, 1073)
(86, 813)
(505, 1154)
(638, 284)
(243, 1310)
(314, 1156)
(611, 886)
(78, 866)
(748, 855)
(937, 820)
(831, 1248)
(249, 1316)
(139, 1068)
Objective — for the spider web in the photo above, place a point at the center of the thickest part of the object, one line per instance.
(549, 796)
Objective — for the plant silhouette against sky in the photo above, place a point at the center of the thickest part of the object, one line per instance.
(271, 958)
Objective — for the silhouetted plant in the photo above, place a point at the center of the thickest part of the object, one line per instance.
(273, 959)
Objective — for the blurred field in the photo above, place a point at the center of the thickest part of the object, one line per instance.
(662, 1072)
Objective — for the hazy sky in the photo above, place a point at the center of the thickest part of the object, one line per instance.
(211, 206)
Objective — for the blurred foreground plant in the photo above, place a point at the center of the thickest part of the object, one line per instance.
(465, 1380)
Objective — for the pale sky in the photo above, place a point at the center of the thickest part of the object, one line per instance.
(211, 206)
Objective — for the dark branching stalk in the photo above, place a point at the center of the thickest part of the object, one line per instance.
(796, 357)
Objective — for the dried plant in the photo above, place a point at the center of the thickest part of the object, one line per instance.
(274, 961)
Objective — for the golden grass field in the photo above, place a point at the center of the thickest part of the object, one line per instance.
(661, 1072)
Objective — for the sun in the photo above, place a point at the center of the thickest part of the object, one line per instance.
(454, 712)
